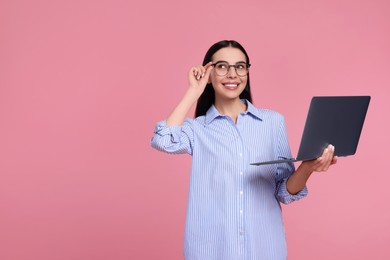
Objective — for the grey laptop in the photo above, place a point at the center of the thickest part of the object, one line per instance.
(336, 120)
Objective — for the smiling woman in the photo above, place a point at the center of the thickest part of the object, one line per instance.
(222, 48)
(82, 84)
(233, 208)
(227, 83)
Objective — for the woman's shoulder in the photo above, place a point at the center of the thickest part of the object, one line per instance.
(265, 113)
(270, 112)
(199, 120)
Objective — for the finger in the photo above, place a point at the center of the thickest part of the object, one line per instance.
(208, 64)
(192, 76)
(205, 68)
(201, 71)
(209, 68)
(329, 157)
(320, 163)
(194, 71)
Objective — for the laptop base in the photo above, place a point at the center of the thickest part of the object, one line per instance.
(287, 160)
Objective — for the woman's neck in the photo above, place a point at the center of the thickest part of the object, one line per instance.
(230, 108)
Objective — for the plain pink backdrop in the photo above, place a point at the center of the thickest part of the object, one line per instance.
(82, 84)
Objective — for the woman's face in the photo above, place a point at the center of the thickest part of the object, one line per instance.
(230, 85)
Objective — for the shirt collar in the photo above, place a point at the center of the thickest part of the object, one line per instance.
(253, 110)
(213, 113)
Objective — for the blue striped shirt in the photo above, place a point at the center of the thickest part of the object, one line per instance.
(233, 207)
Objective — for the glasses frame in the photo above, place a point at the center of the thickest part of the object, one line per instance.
(234, 66)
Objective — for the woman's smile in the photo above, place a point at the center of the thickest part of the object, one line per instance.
(231, 85)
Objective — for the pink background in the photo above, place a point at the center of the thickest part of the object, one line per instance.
(82, 84)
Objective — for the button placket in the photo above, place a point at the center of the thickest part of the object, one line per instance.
(240, 185)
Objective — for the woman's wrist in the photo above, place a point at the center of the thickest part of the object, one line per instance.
(305, 169)
(194, 91)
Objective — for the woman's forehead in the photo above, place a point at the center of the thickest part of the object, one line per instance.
(229, 54)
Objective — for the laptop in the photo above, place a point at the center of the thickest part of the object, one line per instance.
(335, 120)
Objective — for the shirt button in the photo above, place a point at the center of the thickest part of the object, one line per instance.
(241, 173)
(241, 192)
(241, 154)
(241, 211)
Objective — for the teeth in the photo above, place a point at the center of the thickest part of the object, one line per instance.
(231, 85)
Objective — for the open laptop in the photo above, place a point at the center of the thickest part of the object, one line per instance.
(335, 120)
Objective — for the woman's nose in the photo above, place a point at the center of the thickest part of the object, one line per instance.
(231, 72)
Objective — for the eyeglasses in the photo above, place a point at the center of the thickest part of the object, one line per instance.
(222, 68)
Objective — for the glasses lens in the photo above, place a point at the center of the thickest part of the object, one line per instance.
(221, 68)
(241, 69)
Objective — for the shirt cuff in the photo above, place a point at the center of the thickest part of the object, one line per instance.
(285, 197)
(162, 129)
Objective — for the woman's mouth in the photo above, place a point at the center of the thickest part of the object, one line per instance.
(231, 86)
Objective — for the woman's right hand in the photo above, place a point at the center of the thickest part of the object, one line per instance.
(198, 76)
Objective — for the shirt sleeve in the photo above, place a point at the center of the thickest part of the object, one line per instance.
(285, 170)
(173, 139)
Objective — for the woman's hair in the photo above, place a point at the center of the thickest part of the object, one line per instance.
(208, 96)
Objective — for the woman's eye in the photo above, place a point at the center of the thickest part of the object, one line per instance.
(240, 66)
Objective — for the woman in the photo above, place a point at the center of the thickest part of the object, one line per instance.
(233, 207)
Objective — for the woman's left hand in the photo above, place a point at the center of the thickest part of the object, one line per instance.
(322, 163)
(298, 180)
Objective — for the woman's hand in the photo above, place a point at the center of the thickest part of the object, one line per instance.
(198, 77)
(298, 180)
(322, 163)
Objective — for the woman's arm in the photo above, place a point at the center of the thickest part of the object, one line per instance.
(173, 135)
(198, 77)
(298, 179)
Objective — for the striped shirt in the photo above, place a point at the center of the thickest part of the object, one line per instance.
(233, 207)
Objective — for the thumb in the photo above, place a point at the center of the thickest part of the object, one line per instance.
(208, 71)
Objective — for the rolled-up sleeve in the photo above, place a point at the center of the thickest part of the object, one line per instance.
(173, 139)
(285, 170)
(285, 197)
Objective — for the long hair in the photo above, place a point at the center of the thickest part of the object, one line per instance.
(208, 96)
